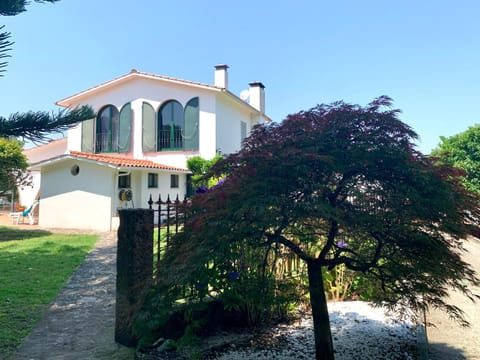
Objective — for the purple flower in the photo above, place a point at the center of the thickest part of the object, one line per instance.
(342, 244)
(219, 183)
(233, 275)
(201, 189)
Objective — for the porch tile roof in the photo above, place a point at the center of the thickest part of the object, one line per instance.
(125, 162)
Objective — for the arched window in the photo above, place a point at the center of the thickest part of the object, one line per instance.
(113, 129)
(171, 125)
(107, 129)
(173, 128)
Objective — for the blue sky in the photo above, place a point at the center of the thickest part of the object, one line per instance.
(424, 54)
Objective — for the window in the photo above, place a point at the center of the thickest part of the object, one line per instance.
(75, 170)
(110, 131)
(152, 180)
(170, 126)
(124, 180)
(173, 128)
(174, 181)
(107, 130)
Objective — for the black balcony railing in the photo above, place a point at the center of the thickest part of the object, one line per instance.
(105, 142)
(170, 140)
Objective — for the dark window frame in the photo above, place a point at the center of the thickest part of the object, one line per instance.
(152, 181)
(174, 181)
(124, 181)
(112, 130)
(106, 130)
(171, 126)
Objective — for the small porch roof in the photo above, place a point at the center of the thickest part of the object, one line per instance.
(116, 162)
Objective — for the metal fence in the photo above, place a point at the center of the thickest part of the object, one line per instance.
(170, 218)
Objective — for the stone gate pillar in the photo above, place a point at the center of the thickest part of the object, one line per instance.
(134, 268)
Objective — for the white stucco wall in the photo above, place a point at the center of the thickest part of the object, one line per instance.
(164, 188)
(82, 201)
(229, 117)
(27, 194)
(76, 210)
(208, 128)
(75, 138)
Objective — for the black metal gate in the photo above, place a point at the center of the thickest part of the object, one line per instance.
(170, 218)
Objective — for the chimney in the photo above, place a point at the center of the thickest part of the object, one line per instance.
(221, 76)
(257, 96)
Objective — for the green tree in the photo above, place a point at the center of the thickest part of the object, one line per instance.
(37, 126)
(15, 7)
(5, 46)
(13, 165)
(33, 126)
(199, 168)
(463, 152)
(11, 8)
(339, 185)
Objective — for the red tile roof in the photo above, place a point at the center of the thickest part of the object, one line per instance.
(125, 162)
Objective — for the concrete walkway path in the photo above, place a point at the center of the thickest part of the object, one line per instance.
(80, 323)
(447, 340)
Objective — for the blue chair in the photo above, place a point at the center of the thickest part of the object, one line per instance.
(16, 216)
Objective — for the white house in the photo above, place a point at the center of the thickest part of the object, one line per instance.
(145, 129)
(36, 154)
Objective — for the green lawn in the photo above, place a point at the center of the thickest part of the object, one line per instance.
(34, 266)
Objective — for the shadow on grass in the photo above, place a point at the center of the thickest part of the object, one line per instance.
(441, 351)
(31, 279)
(9, 234)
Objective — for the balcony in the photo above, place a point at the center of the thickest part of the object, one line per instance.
(104, 143)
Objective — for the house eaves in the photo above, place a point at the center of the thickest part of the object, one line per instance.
(114, 162)
(236, 99)
(133, 74)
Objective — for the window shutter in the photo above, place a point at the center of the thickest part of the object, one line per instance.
(148, 128)
(243, 131)
(191, 124)
(88, 136)
(125, 127)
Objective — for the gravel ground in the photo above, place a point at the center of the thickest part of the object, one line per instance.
(359, 331)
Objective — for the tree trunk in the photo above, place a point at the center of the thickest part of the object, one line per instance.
(321, 320)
